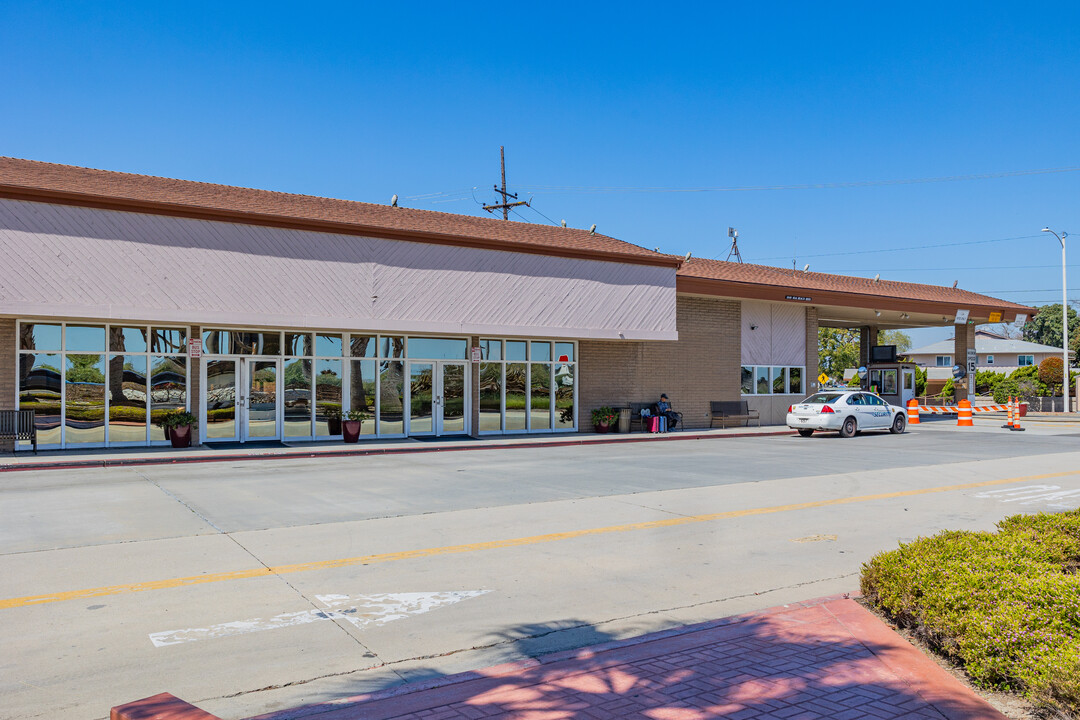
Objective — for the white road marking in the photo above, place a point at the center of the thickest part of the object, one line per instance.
(1052, 495)
(361, 610)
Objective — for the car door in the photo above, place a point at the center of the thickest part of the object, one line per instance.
(878, 412)
(856, 407)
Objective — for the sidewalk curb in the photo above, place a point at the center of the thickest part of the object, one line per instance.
(164, 459)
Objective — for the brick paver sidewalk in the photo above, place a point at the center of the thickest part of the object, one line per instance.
(827, 658)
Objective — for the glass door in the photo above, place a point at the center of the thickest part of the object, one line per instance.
(421, 398)
(452, 399)
(220, 385)
(260, 403)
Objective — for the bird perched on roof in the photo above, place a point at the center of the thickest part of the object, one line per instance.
(955, 283)
(393, 201)
(592, 230)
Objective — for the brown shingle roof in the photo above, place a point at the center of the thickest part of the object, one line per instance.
(30, 179)
(732, 272)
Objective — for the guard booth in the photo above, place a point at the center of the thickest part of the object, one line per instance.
(894, 381)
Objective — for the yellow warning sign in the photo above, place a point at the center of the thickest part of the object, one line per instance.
(995, 317)
(823, 378)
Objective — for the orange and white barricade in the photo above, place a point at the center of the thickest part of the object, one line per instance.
(963, 414)
(1016, 417)
(912, 412)
(1008, 425)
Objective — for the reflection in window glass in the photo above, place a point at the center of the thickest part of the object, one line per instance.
(515, 350)
(453, 397)
(362, 384)
(491, 349)
(328, 345)
(39, 390)
(168, 340)
(298, 344)
(795, 381)
(168, 385)
(516, 379)
(420, 390)
(298, 407)
(747, 380)
(438, 348)
(564, 352)
(127, 399)
(362, 345)
(391, 397)
(762, 377)
(564, 396)
(391, 347)
(778, 383)
(84, 338)
(123, 339)
(540, 351)
(217, 342)
(220, 399)
(540, 390)
(327, 393)
(84, 404)
(39, 337)
(491, 383)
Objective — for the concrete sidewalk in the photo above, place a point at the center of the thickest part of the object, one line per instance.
(824, 658)
(164, 455)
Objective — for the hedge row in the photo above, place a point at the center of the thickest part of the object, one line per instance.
(1006, 605)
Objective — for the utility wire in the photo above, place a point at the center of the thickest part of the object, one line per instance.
(903, 249)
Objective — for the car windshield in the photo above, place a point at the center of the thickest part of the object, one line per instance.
(822, 399)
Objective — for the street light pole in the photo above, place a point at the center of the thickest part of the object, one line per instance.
(1064, 318)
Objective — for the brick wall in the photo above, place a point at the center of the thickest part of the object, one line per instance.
(964, 339)
(702, 365)
(811, 350)
(8, 372)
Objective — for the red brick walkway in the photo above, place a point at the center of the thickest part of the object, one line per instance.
(827, 658)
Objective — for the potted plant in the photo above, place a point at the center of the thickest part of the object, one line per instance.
(603, 418)
(351, 424)
(178, 425)
(333, 419)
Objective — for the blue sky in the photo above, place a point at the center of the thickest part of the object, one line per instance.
(363, 101)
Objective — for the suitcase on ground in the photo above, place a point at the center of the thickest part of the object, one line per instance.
(654, 424)
(663, 423)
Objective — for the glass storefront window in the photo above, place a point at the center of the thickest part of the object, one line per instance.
(84, 401)
(564, 352)
(438, 348)
(298, 407)
(298, 344)
(362, 387)
(168, 340)
(220, 394)
(540, 391)
(327, 394)
(795, 381)
(540, 351)
(168, 385)
(778, 382)
(127, 398)
(37, 336)
(491, 349)
(747, 387)
(564, 395)
(391, 347)
(363, 346)
(40, 391)
(516, 383)
(763, 384)
(217, 342)
(125, 339)
(515, 350)
(84, 338)
(491, 385)
(391, 397)
(328, 345)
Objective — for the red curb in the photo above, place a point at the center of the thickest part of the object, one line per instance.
(300, 454)
(159, 707)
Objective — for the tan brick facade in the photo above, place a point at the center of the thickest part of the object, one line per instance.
(702, 365)
(8, 372)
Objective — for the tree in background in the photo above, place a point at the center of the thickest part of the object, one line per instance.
(1051, 372)
(900, 339)
(838, 350)
(1045, 327)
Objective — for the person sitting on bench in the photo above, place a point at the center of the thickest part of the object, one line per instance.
(664, 408)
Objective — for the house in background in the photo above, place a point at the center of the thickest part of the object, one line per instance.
(996, 352)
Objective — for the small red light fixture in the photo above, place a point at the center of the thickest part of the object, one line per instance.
(827, 410)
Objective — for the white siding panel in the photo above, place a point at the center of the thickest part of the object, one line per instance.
(756, 333)
(788, 335)
(82, 262)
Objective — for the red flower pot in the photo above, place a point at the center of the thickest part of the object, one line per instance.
(180, 436)
(350, 430)
(602, 427)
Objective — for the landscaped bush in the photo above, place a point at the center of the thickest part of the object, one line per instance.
(1006, 605)
(987, 380)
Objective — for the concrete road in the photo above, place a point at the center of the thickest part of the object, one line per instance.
(256, 586)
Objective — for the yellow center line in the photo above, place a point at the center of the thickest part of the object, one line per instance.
(492, 544)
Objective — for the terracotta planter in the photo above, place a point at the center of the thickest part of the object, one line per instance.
(350, 430)
(180, 436)
(1023, 409)
(602, 427)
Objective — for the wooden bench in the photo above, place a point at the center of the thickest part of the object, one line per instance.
(731, 411)
(635, 415)
(18, 425)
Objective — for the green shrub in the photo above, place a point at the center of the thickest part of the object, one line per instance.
(987, 380)
(1006, 605)
(920, 381)
(1005, 389)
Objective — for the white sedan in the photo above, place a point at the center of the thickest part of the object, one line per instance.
(846, 412)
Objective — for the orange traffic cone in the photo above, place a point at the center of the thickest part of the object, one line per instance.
(913, 412)
(1016, 417)
(963, 414)
(1009, 424)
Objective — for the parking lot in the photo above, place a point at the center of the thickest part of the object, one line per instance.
(253, 586)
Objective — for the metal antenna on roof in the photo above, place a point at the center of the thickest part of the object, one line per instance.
(734, 235)
(504, 205)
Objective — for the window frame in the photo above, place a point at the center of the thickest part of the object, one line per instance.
(769, 370)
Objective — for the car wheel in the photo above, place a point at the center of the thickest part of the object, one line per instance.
(848, 428)
(898, 424)
(806, 432)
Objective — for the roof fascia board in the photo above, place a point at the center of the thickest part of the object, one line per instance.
(101, 202)
(752, 291)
